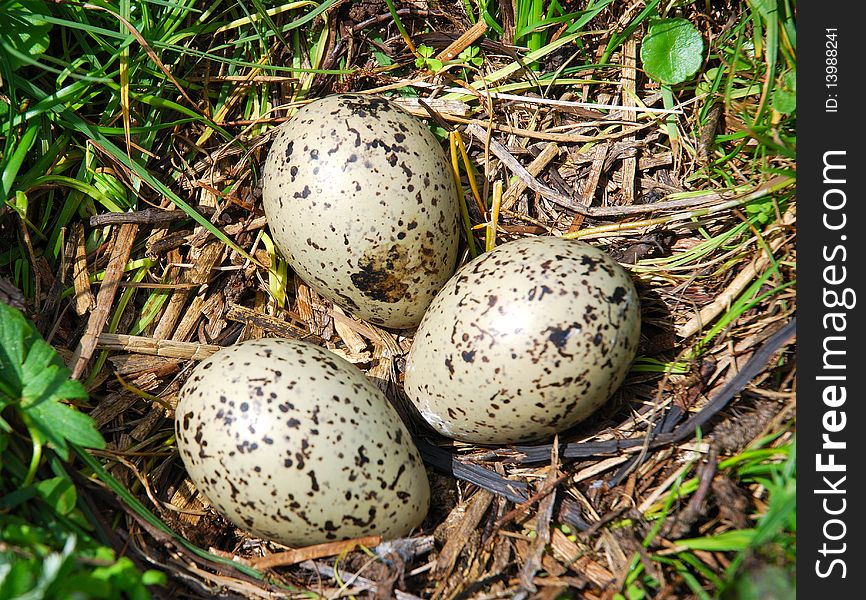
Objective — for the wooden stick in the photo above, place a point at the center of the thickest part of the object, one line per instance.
(538, 164)
(84, 299)
(542, 523)
(187, 325)
(464, 41)
(145, 345)
(591, 183)
(254, 318)
(414, 106)
(147, 216)
(629, 93)
(291, 557)
(448, 557)
(105, 298)
(199, 274)
(353, 340)
(10, 294)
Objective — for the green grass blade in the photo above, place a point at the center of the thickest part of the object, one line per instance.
(16, 159)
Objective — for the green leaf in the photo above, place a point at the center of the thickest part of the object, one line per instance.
(765, 8)
(672, 50)
(34, 380)
(761, 582)
(471, 55)
(50, 562)
(434, 64)
(17, 497)
(11, 164)
(425, 59)
(23, 31)
(16, 334)
(154, 577)
(59, 424)
(45, 377)
(785, 94)
(733, 540)
(635, 593)
(59, 493)
(18, 575)
(382, 59)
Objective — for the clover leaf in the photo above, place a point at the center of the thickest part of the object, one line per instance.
(672, 50)
(471, 56)
(425, 59)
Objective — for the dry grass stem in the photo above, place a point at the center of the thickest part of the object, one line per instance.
(145, 345)
(105, 298)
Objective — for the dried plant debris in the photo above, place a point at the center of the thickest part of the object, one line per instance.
(553, 132)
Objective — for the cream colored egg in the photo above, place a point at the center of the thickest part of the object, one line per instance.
(523, 342)
(295, 444)
(361, 201)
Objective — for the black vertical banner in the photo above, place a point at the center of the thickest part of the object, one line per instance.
(831, 426)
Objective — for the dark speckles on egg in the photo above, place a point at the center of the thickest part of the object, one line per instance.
(366, 165)
(545, 326)
(270, 466)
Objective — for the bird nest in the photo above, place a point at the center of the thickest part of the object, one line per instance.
(605, 507)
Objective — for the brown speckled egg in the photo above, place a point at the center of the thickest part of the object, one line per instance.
(523, 342)
(361, 201)
(295, 444)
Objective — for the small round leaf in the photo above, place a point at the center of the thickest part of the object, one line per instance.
(785, 94)
(672, 50)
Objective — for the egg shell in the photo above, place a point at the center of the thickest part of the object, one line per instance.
(523, 342)
(361, 201)
(293, 443)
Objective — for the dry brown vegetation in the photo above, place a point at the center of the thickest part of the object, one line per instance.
(592, 160)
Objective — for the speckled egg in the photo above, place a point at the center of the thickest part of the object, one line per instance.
(293, 443)
(361, 201)
(524, 342)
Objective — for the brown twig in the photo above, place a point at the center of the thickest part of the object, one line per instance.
(542, 523)
(291, 557)
(84, 298)
(477, 507)
(521, 508)
(147, 216)
(538, 164)
(464, 41)
(199, 274)
(629, 92)
(532, 183)
(145, 345)
(590, 184)
(682, 522)
(105, 298)
(252, 318)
